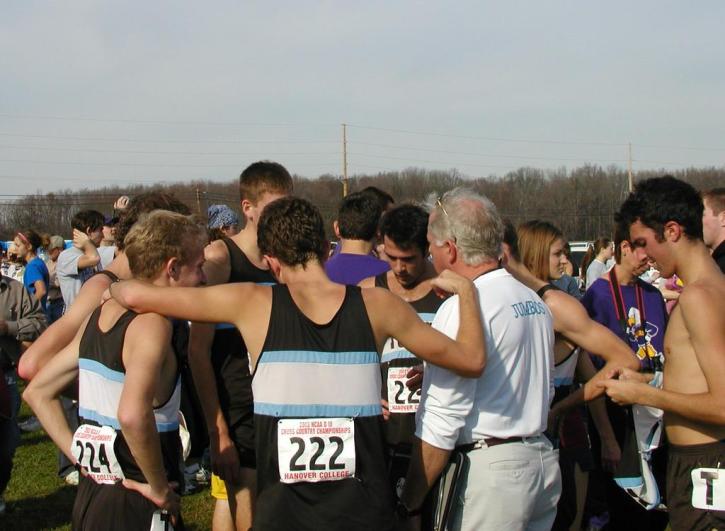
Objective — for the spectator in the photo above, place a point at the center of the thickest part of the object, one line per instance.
(713, 224)
(356, 228)
(35, 278)
(55, 306)
(109, 231)
(223, 221)
(594, 263)
(21, 320)
(81, 261)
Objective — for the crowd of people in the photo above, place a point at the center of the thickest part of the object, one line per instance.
(439, 368)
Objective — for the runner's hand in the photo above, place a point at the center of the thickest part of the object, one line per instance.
(415, 378)
(450, 282)
(224, 459)
(624, 374)
(121, 203)
(623, 392)
(386, 409)
(611, 455)
(168, 499)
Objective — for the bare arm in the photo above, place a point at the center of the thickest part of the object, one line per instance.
(706, 328)
(144, 354)
(43, 394)
(40, 289)
(60, 333)
(572, 321)
(90, 257)
(426, 464)
(214, 304)
(392, 317)
(224, 459)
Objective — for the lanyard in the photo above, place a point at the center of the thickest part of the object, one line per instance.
(621, 312)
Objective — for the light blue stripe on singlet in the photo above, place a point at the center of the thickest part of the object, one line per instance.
(397, 355)
(113, 423)
(311, 356)
(316, 410)
(629, 483)
(266, 283)
(100, 369)
(97, 417)
(224, 326)
(427, 317)
(558, 382)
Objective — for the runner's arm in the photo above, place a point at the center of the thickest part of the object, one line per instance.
(61, 332)
(214, 304)
(43, 393)
(572, 321)
(145, 350)
(224, 459)
(393, 317)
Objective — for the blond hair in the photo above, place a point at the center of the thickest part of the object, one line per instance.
(535, 240)
(159, 236)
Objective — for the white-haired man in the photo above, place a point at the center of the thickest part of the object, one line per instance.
(511, 478)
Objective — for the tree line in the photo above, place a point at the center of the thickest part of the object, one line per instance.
(581, 201)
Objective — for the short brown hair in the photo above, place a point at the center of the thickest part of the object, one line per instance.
(160, 236)
(291, 230)
(715, 199)
(143, 204)
(535, 239)
(264, 177)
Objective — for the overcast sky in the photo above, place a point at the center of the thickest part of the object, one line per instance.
(95, 93)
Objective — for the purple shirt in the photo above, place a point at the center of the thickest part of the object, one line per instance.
(350, 269)
(600, 305)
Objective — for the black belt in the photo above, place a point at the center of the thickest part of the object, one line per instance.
(491, 441)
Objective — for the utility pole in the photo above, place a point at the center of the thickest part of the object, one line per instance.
(629, 168)
(198, 200)
(344, 160)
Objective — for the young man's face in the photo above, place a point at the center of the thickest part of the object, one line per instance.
(191, 274)
(408, 265)
(21, 248)
(711, 226)
(634, 258)
(95, 235)
(645, 238)
(254, 210)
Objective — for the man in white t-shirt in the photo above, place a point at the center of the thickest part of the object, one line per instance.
(85, 258)
(512, 478)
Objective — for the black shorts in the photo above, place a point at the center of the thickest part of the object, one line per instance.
(682, 461)
(111, 508)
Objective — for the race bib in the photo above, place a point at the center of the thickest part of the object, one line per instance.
(315, 450)
(708, 489)
(400, 398)
(93, 449)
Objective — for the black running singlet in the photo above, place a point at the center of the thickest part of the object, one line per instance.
(318, 422)
(101, 376)
(395, 362)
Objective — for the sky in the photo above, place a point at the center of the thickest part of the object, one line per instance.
(102, 93)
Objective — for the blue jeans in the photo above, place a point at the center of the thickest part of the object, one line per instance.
(54, 310)
(9, 431)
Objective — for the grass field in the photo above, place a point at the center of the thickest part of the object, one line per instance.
(37, 499)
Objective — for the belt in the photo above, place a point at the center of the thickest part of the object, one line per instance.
(484, 443)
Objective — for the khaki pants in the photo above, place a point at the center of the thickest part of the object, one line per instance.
(512, 486)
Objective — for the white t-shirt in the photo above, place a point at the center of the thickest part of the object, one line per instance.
(70, 278)
(512, 397)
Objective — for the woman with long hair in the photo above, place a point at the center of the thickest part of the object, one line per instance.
(541, 248)
(36, 277)
(594, 263)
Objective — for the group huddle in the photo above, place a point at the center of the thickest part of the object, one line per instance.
(429, 390)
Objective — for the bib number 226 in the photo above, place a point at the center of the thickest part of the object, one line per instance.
(315, 450)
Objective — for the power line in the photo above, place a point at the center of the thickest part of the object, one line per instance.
(166, 141)
(143, 152)
(160, 122)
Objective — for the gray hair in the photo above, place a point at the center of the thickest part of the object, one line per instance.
(56, 242)
(469, 219)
